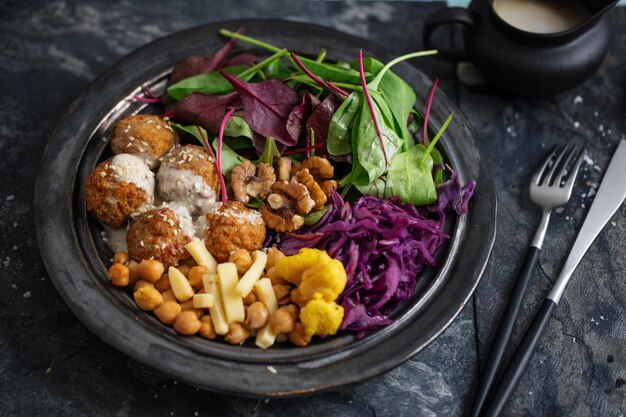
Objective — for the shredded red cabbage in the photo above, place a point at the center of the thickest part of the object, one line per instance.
(383, 244)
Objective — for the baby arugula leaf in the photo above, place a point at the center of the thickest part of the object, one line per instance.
(341, 125)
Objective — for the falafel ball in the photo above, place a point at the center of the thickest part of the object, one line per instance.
(146, 136)
(117, 188)
(229, 226)
(161, 234)
(188, 176)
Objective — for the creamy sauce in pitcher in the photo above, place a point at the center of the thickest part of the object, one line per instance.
(542, 16)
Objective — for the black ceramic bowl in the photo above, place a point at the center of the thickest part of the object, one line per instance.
(77, 259)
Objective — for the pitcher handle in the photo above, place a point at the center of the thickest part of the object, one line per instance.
(444, 17)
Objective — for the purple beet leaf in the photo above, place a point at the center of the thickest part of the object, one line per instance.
(266, 106)
(245, 59)
(203, 110)
(300, 114)
(320, 118)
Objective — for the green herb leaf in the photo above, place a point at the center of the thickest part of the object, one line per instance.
(255, 203)
(374, 84)
(208, 83)
(315, 216)
(270, 152)
(213, 83)
(410, 177)
(236, 126)
(369, 149)
(399, 96)
(230, 158)
(332, 72)
(339, 140)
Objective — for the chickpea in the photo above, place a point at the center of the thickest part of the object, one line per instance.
(184, 269)
(195, 275)
(167, 311)
(250, 298)
(142, 283)
(120, 258)
(256, 315)
(242, 259)
(188, 306)
(151, 270)
(148, 298)
(273, 276)
(280, 338)
(237, 334)
(169, 296)
(282, 293)
(119, 275)
(207, 330)
(273, 255)
(298, 336)
(187, 323)
(163, 284)
(133, 269)
(282, 321)
(294, 310)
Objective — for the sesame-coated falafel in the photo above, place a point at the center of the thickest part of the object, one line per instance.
(231, 226)
(146, 136)
(117, 188)
(188, 176)
(160, 234)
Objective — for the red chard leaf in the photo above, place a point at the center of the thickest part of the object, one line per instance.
(245, 59)
(203, 110)
(320, 118)
(266, 106)
(299, 114)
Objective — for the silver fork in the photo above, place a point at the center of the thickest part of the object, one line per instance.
(549, 189)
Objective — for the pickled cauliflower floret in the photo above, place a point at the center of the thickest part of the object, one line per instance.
(326, 280)
(293, 267)
(321, 317)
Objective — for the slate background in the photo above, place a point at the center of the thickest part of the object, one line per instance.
(50, 364)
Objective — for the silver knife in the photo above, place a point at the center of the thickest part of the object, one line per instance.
(610, 197)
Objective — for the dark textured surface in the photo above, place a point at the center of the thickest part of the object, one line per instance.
(50, 364)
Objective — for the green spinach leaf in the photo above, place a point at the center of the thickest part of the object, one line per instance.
(410, 177)
(339, 140)
(373, 158)
(230, 158)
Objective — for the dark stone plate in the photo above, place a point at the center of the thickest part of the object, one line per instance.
(77, 259)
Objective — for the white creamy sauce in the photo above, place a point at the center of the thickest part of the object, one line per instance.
(186, 188)
(131, 169)
(542, 16)
(185, 222)
(116, 239)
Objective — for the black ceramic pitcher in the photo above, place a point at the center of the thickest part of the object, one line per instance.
(526, 63)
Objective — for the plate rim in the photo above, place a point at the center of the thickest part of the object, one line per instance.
(51, 260)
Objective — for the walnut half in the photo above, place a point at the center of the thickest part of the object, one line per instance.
(286, 205)
(248, 181)
(320, 168)
(317, 194)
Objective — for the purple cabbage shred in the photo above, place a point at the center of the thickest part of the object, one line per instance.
(384, 245)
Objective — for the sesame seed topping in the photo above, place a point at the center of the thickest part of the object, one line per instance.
(141, 243)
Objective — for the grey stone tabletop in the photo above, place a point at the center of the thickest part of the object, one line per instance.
(50, 364)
